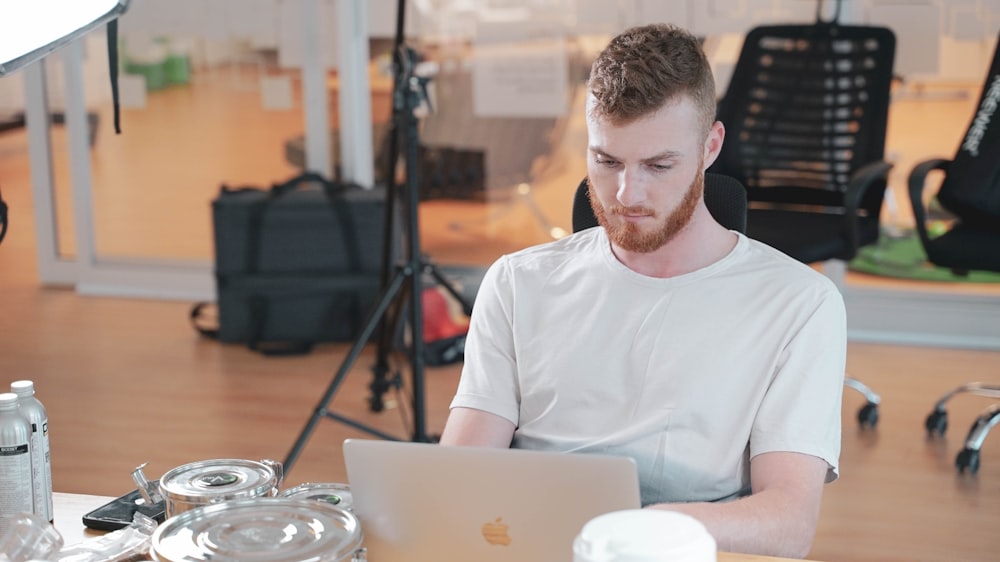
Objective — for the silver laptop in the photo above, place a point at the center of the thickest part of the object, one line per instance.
(420, 502)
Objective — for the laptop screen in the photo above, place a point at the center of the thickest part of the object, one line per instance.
(421, 502)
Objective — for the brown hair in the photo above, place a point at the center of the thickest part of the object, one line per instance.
(645, 67)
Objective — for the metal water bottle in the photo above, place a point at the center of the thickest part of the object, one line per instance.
(15, 461)
(41, 462)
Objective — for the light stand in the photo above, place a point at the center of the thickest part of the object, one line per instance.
(406, 284)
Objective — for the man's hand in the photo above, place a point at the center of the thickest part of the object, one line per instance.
(778, 519)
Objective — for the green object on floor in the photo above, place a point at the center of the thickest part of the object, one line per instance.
(177, 69)
(902, 256)
(154, 73)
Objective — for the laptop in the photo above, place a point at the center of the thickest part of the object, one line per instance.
(421, 502)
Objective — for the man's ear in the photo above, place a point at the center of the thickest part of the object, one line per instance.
(713, 143)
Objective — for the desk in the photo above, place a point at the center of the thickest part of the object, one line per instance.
(69, 510)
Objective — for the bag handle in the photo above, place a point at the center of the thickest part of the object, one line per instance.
(197, 314)
(329, 186)
(334, 194)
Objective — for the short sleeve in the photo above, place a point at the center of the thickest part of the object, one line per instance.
(801, 410)
(489, 374)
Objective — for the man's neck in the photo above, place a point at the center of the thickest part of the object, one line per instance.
(699, 244)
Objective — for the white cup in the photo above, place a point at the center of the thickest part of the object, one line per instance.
(644, 535)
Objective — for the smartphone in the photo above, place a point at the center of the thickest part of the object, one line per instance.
(118, 512)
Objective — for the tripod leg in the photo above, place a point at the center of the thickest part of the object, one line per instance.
(381, 381)
(352, 356)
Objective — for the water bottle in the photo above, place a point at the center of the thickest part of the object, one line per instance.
(15, 461)
(41, 462)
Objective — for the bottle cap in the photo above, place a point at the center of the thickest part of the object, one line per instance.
(23, 388)
(7, 399)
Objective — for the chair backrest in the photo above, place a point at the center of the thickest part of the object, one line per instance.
(806, 106)
(971, 188)
(725, 198)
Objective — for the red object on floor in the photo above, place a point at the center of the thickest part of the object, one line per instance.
(439, 323)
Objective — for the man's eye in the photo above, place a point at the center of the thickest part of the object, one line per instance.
(661, 167)
(606, 161)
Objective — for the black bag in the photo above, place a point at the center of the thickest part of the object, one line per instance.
(295, 265)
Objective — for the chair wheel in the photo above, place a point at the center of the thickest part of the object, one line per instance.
(868, 415)
(936, 423)
(968, 459)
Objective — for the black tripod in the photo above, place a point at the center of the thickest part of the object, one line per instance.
(406, 285)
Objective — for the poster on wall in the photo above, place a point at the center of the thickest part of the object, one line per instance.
(520, 65)
(521, 80)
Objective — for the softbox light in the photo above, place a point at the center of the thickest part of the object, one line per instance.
(31, 29)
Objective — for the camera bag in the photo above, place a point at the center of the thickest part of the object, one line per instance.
(296, 264)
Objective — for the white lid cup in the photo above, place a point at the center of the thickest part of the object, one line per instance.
(644, 535)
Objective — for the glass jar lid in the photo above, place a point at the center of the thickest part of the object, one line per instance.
(218, 478)
(259, 530)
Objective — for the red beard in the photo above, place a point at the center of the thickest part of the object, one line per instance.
(633, 238)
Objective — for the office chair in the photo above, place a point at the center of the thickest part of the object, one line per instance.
(726, 201)
(805, 115)
(970, 193)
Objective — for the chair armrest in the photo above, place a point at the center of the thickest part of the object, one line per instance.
(917, 179)
(861, 180)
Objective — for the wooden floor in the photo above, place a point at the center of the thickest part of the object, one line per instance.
(128, 381)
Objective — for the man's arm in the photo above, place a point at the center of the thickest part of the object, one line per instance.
(466, 426)
(779, 517)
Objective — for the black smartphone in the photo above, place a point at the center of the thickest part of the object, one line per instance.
(118, 512)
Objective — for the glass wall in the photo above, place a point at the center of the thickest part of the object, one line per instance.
(213, 93)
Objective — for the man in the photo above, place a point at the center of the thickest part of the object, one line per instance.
(714, 361)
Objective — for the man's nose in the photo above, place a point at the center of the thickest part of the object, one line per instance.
(631, 189)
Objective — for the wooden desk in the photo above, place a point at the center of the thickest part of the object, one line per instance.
(69, 510)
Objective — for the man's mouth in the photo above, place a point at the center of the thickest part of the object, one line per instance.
(633, 214)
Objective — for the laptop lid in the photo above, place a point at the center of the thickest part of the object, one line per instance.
(421, 502)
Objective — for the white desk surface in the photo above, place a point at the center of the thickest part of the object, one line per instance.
(70, 508)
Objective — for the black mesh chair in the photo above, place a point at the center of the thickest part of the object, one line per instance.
(805, 115)
(969, 200)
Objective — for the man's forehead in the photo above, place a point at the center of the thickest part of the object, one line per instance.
(681, 101)
(652, 138)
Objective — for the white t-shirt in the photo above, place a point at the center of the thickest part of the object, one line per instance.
(690, 375)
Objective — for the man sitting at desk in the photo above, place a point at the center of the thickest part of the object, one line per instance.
(715, 361)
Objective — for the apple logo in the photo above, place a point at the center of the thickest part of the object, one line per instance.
(496, 532)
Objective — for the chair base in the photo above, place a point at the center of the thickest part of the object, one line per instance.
(867, 414)
(968, 458)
